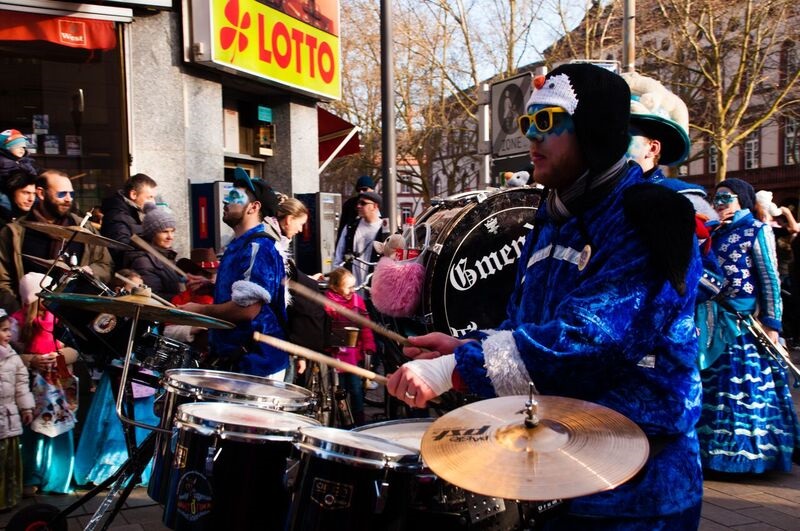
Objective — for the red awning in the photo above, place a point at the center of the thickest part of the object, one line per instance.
(333, 131)
(74, 32)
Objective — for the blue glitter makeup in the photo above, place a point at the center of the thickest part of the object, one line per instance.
(235, 197)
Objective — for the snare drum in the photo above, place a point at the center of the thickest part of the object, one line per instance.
(436, 504)
(199, 385)
(351, 481)
(474, 241)
(230, 466)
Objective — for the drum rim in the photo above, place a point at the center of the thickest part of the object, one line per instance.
(171, 383)
(395, 422)
(189, 420)
(311, 441)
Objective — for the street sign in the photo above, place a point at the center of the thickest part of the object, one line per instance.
(508, 98)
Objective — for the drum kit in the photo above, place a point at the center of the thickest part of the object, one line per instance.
(234, 450)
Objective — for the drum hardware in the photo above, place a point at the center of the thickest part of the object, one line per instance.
(136, 306)
(577, 448)
(56, 264)
(133, 285)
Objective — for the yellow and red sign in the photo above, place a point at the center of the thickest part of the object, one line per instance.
(251, 37)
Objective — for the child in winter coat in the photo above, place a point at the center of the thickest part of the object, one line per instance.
(16, 409)
(341, 289)
(48, 459)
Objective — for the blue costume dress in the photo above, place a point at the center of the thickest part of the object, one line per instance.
(612, 331)
(748, 423)
(252, 270)
(101, 448)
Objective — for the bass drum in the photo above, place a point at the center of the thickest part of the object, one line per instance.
(474, 243)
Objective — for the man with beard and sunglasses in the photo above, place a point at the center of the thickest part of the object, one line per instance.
(248, 290)
(55, 201)
(602, 308)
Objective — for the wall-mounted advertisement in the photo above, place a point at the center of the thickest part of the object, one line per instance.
(291, 43)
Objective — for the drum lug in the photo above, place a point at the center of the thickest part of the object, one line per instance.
(381, 492)
(482, 507)
(290, 475)
(437, 248)
(211, 458)
(480, 198)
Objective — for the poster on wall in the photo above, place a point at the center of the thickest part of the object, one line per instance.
(72, 145)
(32, 143)
(51, 145)
(41, 124)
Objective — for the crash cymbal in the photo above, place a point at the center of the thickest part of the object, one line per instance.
(126, 306)
(577, 448)
(60, 265)
(82, 234)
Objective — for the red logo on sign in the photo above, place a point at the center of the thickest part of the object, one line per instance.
(234, 33)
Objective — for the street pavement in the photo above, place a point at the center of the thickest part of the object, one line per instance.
(745, 503)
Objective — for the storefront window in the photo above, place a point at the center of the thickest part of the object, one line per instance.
(69, 102)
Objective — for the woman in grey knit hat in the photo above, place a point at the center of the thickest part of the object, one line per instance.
(158, 229)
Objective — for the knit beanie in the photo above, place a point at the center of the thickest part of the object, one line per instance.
(11, 138)
(365, 181)
(30, 285)
(156, 219)
(598, 101)
(745, 193)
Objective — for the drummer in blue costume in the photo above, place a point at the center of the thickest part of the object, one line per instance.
(248, 290)
(603, 305)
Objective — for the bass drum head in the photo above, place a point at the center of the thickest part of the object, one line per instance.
(472, 264)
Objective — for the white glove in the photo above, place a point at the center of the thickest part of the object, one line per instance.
(436, 372)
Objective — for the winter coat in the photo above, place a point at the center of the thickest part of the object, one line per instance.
(15, 393)
(9, 163)
(163, 280)
(121, 219)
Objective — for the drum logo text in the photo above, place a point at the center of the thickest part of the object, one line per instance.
(463, 276)
(464, 434)
(331, 495)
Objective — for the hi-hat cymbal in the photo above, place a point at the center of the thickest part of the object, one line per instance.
(127, 305)
(60, 265)
(578, 448)
(82, 234)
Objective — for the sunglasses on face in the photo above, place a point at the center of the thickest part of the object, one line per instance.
(543, 120)
(364, 189)
(365, 203)
(724, 199)
(62, 195)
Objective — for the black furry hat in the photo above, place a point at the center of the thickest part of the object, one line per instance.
(599, 102)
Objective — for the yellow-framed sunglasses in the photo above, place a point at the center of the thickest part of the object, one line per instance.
(542, 119)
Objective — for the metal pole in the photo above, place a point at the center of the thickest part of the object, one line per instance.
(388, 147)
(628, 36)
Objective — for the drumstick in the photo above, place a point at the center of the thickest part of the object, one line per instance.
(309, 354)
(133, 284)
(143, 245)
(350, 314)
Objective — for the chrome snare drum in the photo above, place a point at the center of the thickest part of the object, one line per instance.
(200, 385)
(351, 481)
(230, 466)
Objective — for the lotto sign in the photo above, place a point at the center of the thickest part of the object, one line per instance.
(278, 45)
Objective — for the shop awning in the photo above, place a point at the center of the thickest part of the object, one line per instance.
(74, 32)
(337, 137)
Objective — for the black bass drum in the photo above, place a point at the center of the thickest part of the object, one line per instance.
(474, 243)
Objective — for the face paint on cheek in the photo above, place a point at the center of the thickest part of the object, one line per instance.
(563, 124)
(235, 197)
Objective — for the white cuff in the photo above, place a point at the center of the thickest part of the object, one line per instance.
(246, 293)
(181, 333)
(504, 366)
(437, 372)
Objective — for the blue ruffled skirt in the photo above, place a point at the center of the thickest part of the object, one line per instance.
(748, 423)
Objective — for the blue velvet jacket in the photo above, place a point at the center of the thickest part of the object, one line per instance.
(252, 268)
(614, 333)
